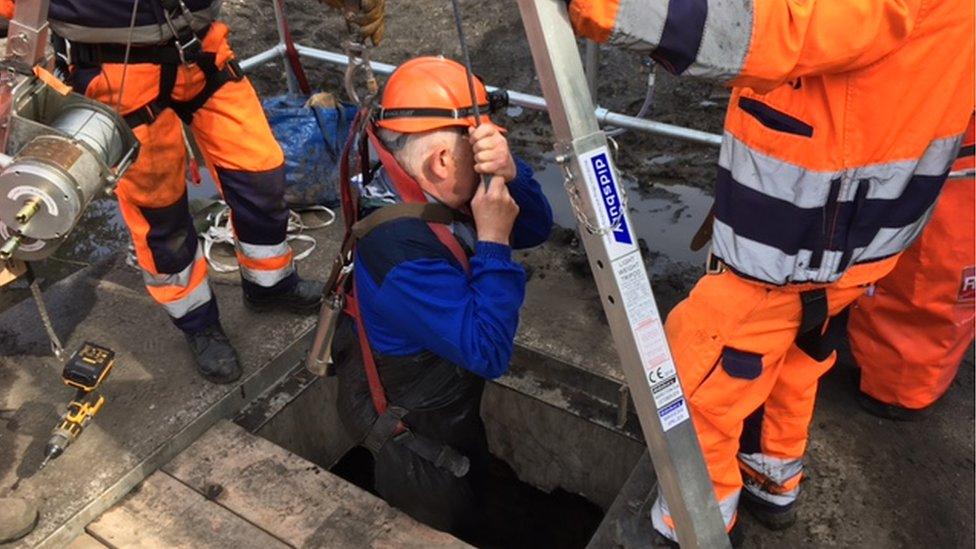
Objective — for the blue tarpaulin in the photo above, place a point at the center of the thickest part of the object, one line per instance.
(312, 139)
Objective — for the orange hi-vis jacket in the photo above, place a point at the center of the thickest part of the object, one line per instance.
(844, 120)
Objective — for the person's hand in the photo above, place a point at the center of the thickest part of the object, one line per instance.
(491, 154)
(369, 17)
(494, 212)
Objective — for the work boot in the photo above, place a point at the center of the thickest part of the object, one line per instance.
(884, 410)
(660, 541)
(771, 516)
(304, 298)
(216, 358)
(17, 519)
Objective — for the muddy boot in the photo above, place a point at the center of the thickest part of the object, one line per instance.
(216, 359)
(17, 519)
(660, 541)
(884, 410)
(771, 516)
(305, 298)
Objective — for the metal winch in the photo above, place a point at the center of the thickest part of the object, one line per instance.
(67, 150)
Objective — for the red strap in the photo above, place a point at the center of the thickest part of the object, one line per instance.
(376, 390)
(292, 54)
(405, 186)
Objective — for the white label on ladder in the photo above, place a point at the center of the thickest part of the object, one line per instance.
(607, 198)
(638, 301)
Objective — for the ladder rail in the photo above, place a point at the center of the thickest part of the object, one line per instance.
(618, 269)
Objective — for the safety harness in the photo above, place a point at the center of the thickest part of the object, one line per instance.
(341, 288)
(185, 48)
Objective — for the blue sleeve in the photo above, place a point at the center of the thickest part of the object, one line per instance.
(470, 322)
(534, 221)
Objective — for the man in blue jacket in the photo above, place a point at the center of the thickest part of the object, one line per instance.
(439, 305)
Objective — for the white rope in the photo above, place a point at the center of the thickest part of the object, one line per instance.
(221, 231)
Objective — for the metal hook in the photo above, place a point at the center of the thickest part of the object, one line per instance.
(358, 54)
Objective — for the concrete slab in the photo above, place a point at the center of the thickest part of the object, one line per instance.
(156, 403)
(162, 512)
(293, 499)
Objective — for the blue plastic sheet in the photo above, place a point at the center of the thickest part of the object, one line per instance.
(312, 139)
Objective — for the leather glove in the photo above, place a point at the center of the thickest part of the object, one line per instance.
(368, 15)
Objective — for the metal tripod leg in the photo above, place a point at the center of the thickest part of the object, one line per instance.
(621, 278)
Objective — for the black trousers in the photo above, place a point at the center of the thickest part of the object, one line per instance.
(444, 403)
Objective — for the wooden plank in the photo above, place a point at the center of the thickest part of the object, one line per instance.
(293, 499)
(85, 541)
(162, 512)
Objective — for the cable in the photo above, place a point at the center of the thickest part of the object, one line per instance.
(467, 68)
(612, 131)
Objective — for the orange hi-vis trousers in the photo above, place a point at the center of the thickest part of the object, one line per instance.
(910, 334)
(244, 158)
(751, 380)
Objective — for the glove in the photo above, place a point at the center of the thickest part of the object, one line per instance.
(590, 18)
(370, 17)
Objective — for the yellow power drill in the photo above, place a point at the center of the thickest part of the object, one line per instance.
(84, 371)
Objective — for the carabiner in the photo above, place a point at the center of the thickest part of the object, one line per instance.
(358, 54)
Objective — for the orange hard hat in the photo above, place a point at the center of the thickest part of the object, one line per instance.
(427, 93)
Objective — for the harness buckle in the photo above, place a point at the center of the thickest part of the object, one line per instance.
(714, 265)
(189, 50)
(234, 70)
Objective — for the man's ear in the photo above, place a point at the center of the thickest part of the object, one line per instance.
(438, 164)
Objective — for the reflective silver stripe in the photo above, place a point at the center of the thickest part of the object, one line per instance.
(888, 241)
(809, 188)
(660, 510)
(144, 35)
(770, 264)
(774, 177)
(267, 278)
(199, 296)
(777, 470)
(888, 181)
(181, 278)
(639, 25)
(782, 500)
(261, 251)
(724, 42)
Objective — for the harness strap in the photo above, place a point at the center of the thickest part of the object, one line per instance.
(387, 427)
(813, 307)
(439, 454)
(214, 80)
(430, 212)
(169, 57)
(813, 338)
(148, 113)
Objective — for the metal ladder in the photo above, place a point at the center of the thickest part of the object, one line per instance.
(618, 268)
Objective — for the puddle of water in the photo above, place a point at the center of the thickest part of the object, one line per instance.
(666, 216)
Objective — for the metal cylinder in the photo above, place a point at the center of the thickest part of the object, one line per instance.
(51, 180)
